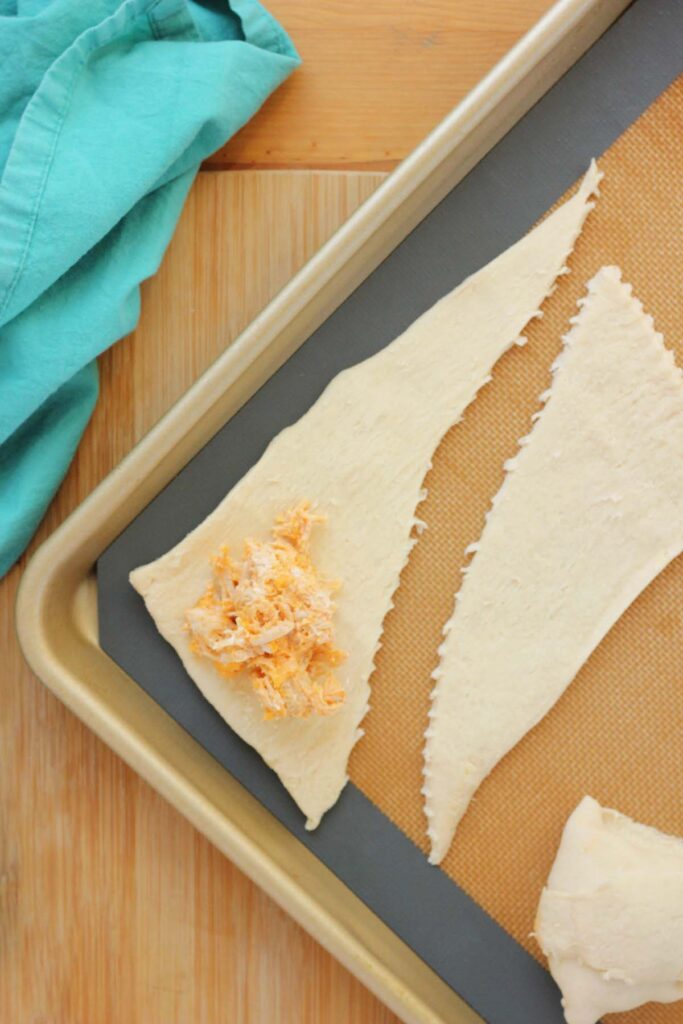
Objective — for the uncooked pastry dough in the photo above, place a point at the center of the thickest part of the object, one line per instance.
(589, 514)
(610, 919)
(360, 454)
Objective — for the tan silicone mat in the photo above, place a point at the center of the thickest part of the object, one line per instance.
(617, 733)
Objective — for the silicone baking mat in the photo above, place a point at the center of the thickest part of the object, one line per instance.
(616, 732)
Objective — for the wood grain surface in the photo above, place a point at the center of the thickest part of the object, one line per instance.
(112, 908)
(377, 75)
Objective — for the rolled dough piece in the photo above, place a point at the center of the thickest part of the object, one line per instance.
(610, 919)
(588, 515)
(360, 454)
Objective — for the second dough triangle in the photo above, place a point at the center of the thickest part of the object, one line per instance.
(587, 516)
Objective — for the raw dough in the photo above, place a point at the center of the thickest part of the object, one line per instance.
(360, 454)
(589, 514)
(610, 919)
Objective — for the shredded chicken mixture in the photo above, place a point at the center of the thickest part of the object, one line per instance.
(270, 615)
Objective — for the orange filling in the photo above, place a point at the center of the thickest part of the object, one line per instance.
(270, 615)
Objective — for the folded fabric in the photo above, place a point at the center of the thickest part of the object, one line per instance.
(106, 110)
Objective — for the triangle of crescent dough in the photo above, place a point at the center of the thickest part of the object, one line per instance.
(588, 515)
(610, 919)
(361, 454)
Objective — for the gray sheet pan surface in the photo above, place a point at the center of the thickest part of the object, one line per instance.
(493, 206)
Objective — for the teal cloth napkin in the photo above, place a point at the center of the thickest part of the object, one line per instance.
(106, 110)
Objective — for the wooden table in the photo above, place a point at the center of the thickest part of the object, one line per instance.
(112, 908)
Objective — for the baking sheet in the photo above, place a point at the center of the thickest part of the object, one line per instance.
(498, 201)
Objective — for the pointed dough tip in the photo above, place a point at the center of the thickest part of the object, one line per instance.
(591, 181)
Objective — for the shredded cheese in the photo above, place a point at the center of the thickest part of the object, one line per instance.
(270, 615)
